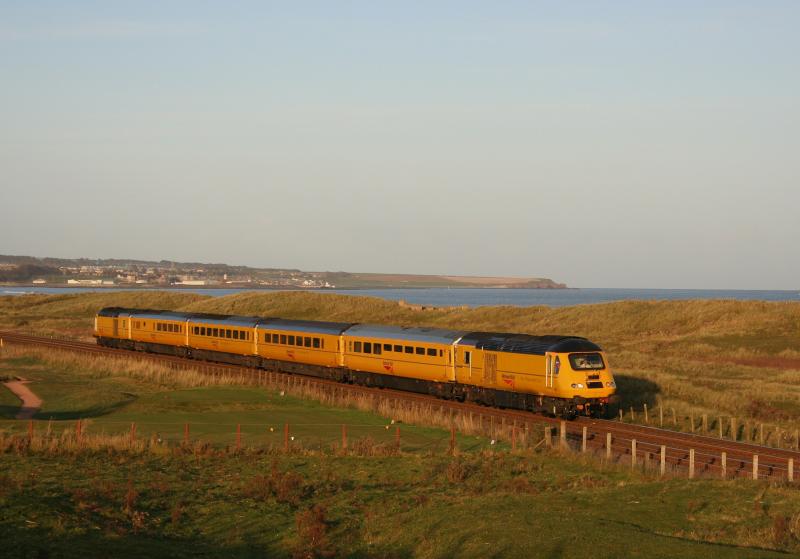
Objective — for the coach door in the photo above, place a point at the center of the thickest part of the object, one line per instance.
(115, 325)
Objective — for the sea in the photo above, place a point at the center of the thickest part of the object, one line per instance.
(444, 297)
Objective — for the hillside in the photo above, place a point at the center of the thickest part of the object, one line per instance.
(714, 357)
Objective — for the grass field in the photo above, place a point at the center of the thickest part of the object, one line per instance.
(168, 499)
(719, 358)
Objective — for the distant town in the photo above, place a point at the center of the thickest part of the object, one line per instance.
(82, 272)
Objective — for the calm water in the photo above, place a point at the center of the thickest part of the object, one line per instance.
(476, 297)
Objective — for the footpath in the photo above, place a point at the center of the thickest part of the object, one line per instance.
(31, 403)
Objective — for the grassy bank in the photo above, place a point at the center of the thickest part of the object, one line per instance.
(719, 358)
(101, 495)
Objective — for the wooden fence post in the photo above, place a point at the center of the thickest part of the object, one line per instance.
(633, 414)
(646, 415)
(761, 434)
(633, 453)
(705, 424)
(691, 421)
(691, 463)
(734, 430)
(724, 465)
(621, 414)
(547, 433)
(563, 435)
(790, 470)
(583, 439)
(661, 415)
(720, 428)
(608, 445)
(663, 466)
(755, 466)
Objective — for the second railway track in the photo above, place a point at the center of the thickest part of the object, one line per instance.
(682, 452)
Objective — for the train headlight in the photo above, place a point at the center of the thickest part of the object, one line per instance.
(611, 384)
(577, 385)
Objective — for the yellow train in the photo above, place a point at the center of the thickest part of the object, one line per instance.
(564, 375)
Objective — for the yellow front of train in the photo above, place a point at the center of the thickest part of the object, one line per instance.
(585, 379)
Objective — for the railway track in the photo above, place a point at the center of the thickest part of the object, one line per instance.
(672, 451)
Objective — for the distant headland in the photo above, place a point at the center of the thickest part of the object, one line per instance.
(57, 272)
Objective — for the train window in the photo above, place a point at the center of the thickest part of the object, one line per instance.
(420, 351)
(409, 349)
(431, 352)
(158, 326)
(376, 349)
(357, 347)
(202, 330)
(195, 330)
(291, 340)
(216, 332)
(275, 338)
(387, 347)
(316, 343)
(283, 339)
(367, 347)
(466, 357)
(235, 334)
(398, 349)
(440, 353)
(299, 340)
(307, 342)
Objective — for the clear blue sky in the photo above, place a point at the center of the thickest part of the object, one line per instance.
(603, 144)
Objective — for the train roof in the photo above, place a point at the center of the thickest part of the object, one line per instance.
(425, 335)
(226, 319)
(311, 326)
(524, 343)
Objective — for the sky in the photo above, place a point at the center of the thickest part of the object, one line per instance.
(601, 144)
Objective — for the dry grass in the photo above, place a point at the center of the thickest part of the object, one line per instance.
(715, 358)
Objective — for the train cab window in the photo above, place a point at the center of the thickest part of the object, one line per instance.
(283, 339)
(420, 351)
(316, 343)
(408, 349)
(357, 347)
(398, 349)
(467, 356)
(376, 349)
(291, 340)
(307, 342)
(431, 352)
(367, 347)
(387, 347)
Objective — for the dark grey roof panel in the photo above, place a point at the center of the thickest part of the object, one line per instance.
(311, 326)
(524, 343)
(425, 335)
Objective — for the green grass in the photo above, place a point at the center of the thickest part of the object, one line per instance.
(170, 500)
(495, 505)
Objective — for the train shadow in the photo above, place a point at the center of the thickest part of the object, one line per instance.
(636, 391)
